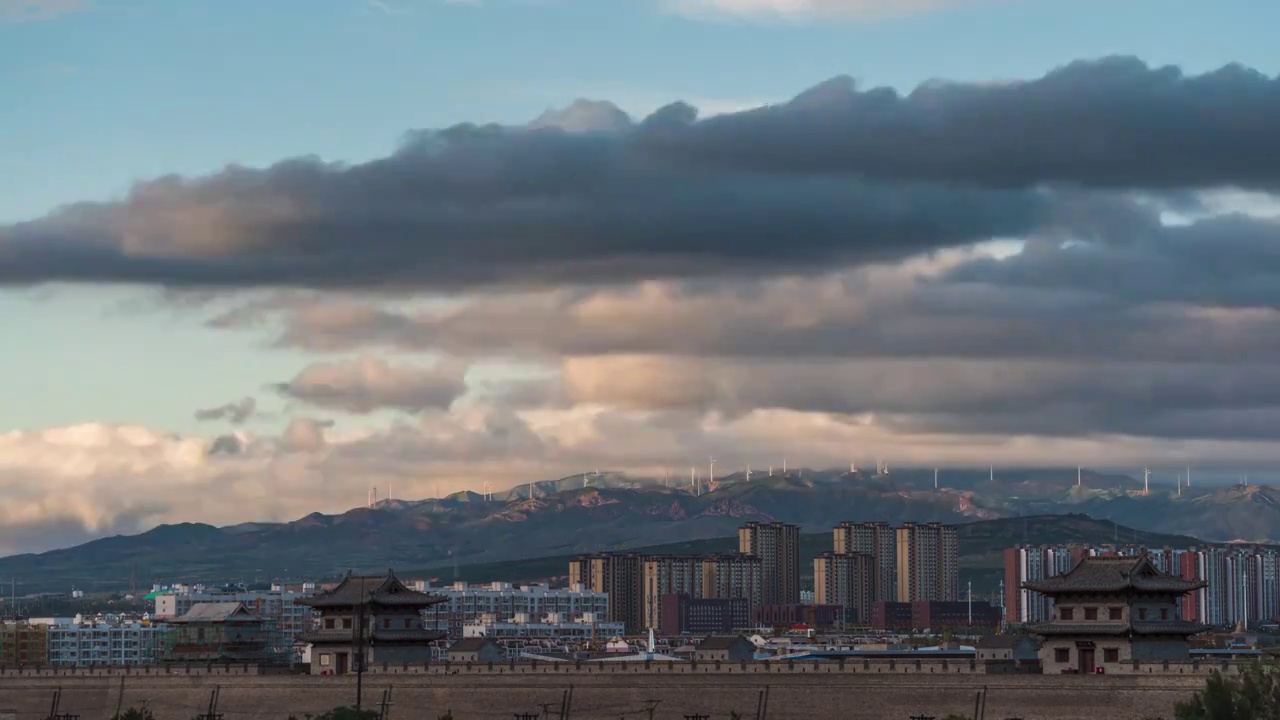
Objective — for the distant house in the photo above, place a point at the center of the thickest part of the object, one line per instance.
(725, 648)
(1014, 647)
(223, 632)
(476, 650)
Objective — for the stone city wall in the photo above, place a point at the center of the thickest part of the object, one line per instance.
(609, 694)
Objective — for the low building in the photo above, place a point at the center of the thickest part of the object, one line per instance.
(370, 619)
(725, 648)
(476, 650)
(818, 617)
(75, 642)
(280, 605)
(891, 616)
(23, 644)
(682, 614)
(1014, 648)
(223, 633)
(462, 604)
(1113, 610)
(550, 627)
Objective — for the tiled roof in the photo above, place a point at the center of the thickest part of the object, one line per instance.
(385, 590)
(471, 644)
(1169, 627)
(1113, 574)
(992, 642)
(217, 612)
(721, 642)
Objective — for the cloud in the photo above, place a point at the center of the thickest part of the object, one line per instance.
(794, 9)
(39, 10)
(235, 413)
(834, 177)
(367, 384)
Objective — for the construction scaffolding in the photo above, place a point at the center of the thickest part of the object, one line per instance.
(225, 633)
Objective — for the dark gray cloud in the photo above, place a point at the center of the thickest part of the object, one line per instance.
(1115, 123)
(235, 413)
(833, 177)
(367, 384)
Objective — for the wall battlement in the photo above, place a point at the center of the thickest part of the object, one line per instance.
(482, 693)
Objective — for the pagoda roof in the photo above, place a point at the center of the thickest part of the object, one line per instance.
(1166, 627)
(1114, 575)
(382, 590)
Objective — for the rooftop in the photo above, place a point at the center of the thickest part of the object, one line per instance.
(1114, 575)
(385, 590)
(217, 612)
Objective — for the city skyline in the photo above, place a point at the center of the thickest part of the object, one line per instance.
(254, 269)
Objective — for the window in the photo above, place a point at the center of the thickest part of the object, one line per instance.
(386, 623)
(408, 623)
(1142, 613)
(1116, 613)
(1091, 613)
(1062, 655)
(324, 659)
(1066, 614)
(346, 623)
(1164, 613)
(1111, 655)
(328, 623)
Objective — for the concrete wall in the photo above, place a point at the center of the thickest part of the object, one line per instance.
(799, 692)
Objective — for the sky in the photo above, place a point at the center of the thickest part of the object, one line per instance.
(257, 257)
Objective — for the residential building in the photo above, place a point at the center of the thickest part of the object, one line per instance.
(667, 575)
(463, 605)
(729, 576)
(847, 580)
(683, 614)
(880, 542)
(224, 632)
(76, 642)
(369, 619)
(618, 575)
(928, 562)
(476, 650)
(934, 615)
(778, 547)
(24, 644)
(1113, 610)
(733, 648)
(552, 626)
(280, 605)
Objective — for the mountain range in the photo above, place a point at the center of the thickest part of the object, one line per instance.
(612, 511)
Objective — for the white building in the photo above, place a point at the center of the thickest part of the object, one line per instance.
(503, 602)
(77, 642)
(278, 604)
(551, 626)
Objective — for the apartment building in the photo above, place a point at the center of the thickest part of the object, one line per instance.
(279, 605)
(878, 540)
(24, 644)
(620, 576)
(928, 562)
(552, 626)
(847, 580)
(778, 547)
(76, 642)
(669, 575)
(464, 605)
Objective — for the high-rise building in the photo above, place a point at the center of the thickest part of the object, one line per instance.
(621, 577)
(845, 579)
(731, 576)
(928, 562)
(669, 575)
(778, 547)
(878, 540)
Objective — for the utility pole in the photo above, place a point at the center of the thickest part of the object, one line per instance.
(359, 627)
(384, 711)
(650, 706)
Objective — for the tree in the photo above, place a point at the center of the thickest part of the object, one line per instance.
(135, 713)
(1254, 694)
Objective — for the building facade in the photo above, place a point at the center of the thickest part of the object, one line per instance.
(778, 547)
(847, 580)
(1113, 610)
(280, 605)
(880, 542)
(934, 616)
(728, 576)
(24, 644)
(465, 605)
(686, 615)
(553, 626)
(669, 575)
(370, 619)
(620, 576)
(928, 562)
(73, 643)
(223, 632)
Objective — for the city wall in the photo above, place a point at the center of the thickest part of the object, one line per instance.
(619, 690)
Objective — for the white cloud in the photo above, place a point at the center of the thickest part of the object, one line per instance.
(797, 9)
(36, 10)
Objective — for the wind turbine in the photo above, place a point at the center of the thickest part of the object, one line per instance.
(1146, 481)
(748, 473)
(1079, 475)
(935, 478)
